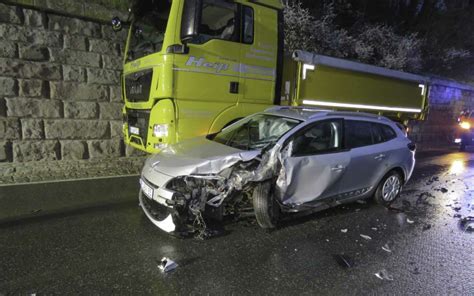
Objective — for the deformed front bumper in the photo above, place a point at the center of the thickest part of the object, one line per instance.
(160, 206)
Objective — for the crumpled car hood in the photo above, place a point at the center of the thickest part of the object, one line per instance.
(198, 156)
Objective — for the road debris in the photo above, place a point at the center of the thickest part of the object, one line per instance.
(384, 275)
(457, 209)
(374, 228)
(386, 248)
(365, 237)
(167, 265)
(410, 221)
(343, 260)
(344, 230)
(426, 227)
(361, 201)
(467, 224)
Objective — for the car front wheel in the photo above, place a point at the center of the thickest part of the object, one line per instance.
(265, 206)
(389, 188)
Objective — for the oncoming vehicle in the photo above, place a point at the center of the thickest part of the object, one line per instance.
(464, 135)
(277, 162)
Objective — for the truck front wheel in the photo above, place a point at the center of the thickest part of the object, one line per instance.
(267, 210)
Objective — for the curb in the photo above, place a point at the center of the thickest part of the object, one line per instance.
(31, 200)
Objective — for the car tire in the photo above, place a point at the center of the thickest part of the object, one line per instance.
(389, 188)
(267, 209)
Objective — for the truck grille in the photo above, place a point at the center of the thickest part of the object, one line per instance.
(138, 119)
(137, 86)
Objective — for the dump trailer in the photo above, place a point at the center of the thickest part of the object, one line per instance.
(192, 67)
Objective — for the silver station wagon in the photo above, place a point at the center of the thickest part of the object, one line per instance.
(275, 163)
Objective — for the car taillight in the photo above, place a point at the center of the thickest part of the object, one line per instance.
(411, 146)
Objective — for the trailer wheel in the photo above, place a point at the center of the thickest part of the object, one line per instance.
(267, 210)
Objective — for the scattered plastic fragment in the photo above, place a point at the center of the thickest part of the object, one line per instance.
(384, 275)
(167, 265)
(343, 260)
(426, 227)
(410, 221)
(357, 210)
(396, 210)
(416, 271)
(361, 201)
(406, 203)
(365, 237)
(386, 248)
(467, 224)
(374, 228)
(344, 230)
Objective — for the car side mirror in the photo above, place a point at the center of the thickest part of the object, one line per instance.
(116, 24)
(191, 19)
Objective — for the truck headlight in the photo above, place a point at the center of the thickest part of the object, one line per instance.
(160, 130)
(465, 125)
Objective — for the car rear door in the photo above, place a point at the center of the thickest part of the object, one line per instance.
(316, 163)
(368, 155)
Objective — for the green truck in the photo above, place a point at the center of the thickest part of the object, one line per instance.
(192, 67)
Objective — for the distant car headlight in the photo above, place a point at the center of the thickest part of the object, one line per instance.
(465, 125)
(160, 130)
(457, 141)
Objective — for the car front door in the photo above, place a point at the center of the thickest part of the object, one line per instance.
(316, 163)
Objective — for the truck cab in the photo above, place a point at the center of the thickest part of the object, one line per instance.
(192, 67)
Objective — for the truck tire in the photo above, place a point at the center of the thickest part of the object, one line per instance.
(389, 188)
(267, 210)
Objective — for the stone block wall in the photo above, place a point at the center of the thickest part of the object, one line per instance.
(59, 87)
(60, 97)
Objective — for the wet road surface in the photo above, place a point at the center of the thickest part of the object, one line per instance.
(419, 244)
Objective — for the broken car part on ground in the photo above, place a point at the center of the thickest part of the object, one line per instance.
(281, 161)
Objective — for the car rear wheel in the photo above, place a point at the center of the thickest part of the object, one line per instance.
(267, 210)
(389, 188)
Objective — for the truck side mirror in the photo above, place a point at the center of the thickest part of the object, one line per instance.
(191, 19)
(116, 24)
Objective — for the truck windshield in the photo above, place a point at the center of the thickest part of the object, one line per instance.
(150, 18)
(256, 132)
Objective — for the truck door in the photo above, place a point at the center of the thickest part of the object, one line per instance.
(259, 51)
(207, 80)
(316, 165)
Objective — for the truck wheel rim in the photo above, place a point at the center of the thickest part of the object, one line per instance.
(391, 188)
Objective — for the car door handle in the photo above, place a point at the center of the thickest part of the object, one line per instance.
(337, 168)
(379, 157)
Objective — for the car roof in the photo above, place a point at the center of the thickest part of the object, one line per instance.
(309, 113)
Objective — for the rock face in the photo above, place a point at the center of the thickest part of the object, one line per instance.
(60, 83)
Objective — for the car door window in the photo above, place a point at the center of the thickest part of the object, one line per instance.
(382, 133)
(357, 133)
(322, 137)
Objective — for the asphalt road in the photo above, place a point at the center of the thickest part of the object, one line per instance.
(114, 249)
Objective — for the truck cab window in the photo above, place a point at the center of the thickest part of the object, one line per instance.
(150, 19)
(248, 25)
(219, 21)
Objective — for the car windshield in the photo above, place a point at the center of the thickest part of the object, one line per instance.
(150, 18)
(256, 132)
